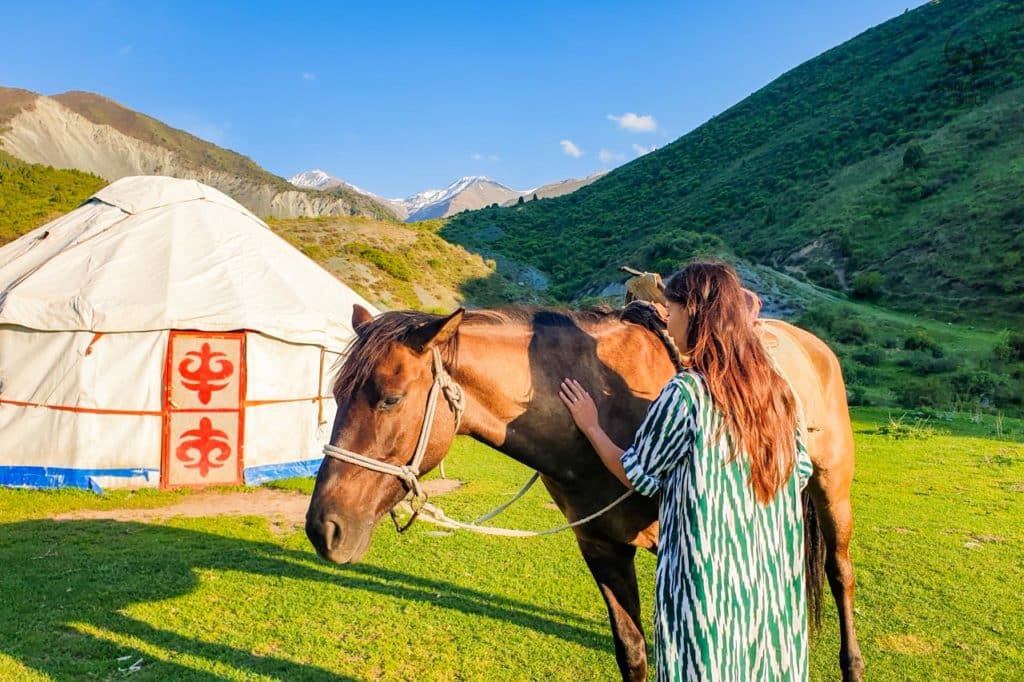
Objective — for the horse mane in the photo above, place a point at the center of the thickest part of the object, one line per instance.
(373, 340)
(539, 315)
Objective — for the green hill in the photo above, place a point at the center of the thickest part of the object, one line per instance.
(399, 266)
(891, 166)
(32, 195)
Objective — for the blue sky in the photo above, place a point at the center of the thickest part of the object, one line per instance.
(401, 97)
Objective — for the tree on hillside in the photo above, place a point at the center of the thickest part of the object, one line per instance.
(521, 200)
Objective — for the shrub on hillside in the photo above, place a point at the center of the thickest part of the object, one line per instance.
(868, 285)
(391, 263)
(1010, 347)
(923, 362)
(315, 252)
(818, 320)
(851, 330)
(913, 157)
(857, 395)
(920, 339)
(851, 371)
(870, 355)
(823, 275)
(929, 392)
(980, 385)
(856, 373)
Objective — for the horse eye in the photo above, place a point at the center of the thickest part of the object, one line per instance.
(389, 401)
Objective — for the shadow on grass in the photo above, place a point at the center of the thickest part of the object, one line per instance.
(65, 585)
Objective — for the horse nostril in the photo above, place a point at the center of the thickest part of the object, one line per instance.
(332, 533)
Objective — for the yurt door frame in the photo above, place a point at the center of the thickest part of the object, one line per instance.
(204, 410)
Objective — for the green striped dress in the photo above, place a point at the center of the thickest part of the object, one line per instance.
(730, 602)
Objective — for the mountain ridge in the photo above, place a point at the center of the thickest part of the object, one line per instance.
(94, 134)
(468, 193)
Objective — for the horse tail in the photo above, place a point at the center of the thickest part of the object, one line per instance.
(814, 561)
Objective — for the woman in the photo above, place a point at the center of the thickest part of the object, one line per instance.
(722, 447)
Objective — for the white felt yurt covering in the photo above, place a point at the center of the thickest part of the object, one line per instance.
(161, 333)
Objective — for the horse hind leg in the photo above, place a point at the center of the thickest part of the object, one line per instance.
(833, 513)
(612, 566)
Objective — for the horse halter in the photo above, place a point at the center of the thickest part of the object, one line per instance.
(410, 473)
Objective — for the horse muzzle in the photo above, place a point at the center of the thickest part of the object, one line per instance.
(337, 539)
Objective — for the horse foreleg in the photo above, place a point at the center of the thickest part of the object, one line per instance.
(611, 564)
(836, 519)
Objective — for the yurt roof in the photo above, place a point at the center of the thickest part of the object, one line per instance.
(152, 253)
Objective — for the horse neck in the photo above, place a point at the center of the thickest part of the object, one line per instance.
(494, 370)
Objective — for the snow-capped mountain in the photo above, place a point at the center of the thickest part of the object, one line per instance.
(471, 192)
(468, 193)
(312, 179)
(318, 179)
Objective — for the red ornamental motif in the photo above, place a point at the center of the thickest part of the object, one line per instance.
(205, 440)
(198, 372)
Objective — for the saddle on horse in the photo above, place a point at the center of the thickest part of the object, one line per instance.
(648, 286)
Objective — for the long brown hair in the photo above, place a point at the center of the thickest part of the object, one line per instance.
(757, 404)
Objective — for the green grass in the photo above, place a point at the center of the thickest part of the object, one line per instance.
(939, 550)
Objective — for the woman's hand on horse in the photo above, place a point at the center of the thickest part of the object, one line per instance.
(581, 405)
(584, 413)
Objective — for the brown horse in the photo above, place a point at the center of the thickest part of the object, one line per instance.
(509, 365)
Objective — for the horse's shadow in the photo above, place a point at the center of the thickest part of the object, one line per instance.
(66, 585)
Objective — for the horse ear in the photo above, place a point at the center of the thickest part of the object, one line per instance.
(360, 316)
(430, 334)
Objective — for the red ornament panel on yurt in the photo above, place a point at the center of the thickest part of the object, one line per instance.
(204, 392)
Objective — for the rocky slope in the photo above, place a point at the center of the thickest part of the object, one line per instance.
(90, 133)
(560, 188)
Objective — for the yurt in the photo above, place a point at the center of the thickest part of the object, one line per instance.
(162, 335)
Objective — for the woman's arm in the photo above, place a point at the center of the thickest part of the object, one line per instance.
(584, 413)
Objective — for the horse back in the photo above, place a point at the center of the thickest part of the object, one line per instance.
(813, 371)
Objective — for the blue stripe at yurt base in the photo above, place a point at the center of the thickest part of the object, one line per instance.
(63, 477)
(272, 472)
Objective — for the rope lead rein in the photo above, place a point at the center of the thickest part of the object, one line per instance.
(418, 506)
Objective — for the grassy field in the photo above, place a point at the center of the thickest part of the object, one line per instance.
(939, 549)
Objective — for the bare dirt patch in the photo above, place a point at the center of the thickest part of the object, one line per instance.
(284, 509)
